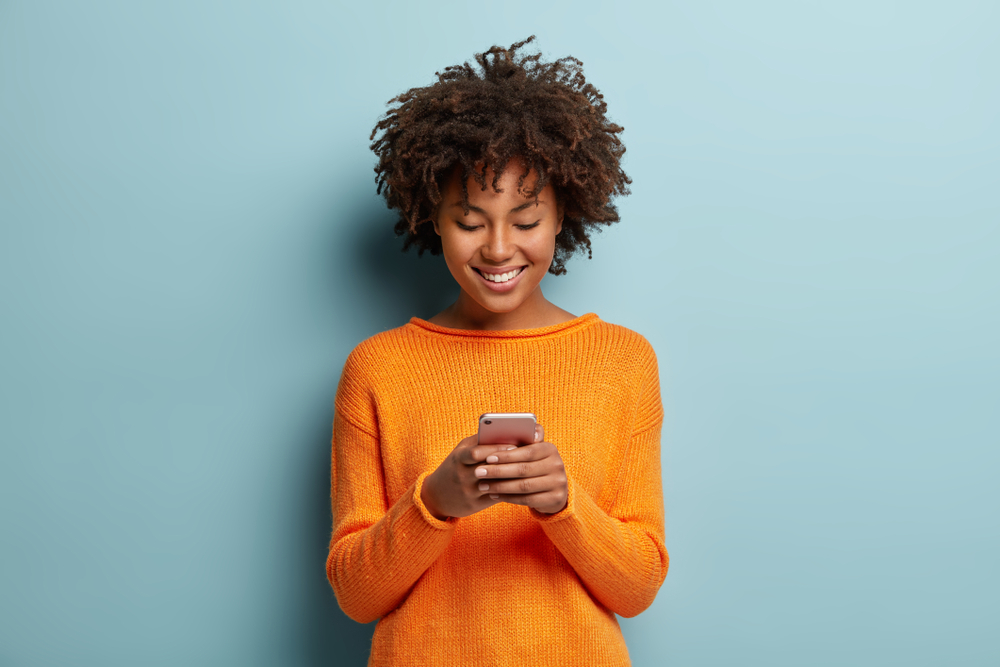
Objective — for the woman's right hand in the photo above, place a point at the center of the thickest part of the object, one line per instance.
(453, 489)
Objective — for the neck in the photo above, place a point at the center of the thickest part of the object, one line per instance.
(535, 312)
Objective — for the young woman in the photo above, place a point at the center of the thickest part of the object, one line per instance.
(475, 554)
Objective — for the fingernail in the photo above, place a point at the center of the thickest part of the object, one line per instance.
(510, 448)
(481, 472)
(494, 497)
(492, 459)
(483, 486)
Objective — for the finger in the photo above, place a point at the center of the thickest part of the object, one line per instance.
(481, 453)
(470, 441)
(535, 452)
(517, 470)
(494, 488)
(539, 433)
(543, 499)
(523, 485)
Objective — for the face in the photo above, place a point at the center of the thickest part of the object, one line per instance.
(502, 249)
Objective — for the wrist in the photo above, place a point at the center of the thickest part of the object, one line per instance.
(427, 498)
(556, 511)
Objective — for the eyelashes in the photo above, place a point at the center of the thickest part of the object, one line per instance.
(470, 228)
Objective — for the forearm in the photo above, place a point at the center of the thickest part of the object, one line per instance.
(619, 554)
(622, 564)
(372, 568)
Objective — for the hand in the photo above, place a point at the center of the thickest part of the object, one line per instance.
(453, 489)
(532, 475)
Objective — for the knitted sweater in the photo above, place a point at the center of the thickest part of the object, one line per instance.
(507, 586)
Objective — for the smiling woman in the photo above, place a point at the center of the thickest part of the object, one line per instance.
(499, 554)
(498, 249)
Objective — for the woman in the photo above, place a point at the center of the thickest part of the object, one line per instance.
(494, 554)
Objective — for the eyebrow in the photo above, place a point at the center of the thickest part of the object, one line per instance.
(533, 202)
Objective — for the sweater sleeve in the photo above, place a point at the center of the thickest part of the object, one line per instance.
(620, 554)
(377, 552)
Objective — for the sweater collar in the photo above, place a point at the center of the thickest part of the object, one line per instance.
(569, 326)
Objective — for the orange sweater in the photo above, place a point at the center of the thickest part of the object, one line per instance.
(508, 585)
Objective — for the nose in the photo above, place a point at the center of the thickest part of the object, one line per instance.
(498, 246)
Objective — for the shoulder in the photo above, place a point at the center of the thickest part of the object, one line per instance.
(622, 342)
(381, 348)
(375, 359)
(636, 360)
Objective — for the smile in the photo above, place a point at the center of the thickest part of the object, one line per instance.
(500, 277)
(503, 281)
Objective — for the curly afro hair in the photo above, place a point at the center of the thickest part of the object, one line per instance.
(511, 106)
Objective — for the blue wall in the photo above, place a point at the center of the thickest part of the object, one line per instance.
(190, 245)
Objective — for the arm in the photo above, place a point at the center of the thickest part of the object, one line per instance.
(376, 552)
(620, 554)
(618, 549)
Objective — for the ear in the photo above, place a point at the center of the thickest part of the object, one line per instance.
(560, 213)
(437, 228)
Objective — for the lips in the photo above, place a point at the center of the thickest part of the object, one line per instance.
(500, 277)
(502, 280)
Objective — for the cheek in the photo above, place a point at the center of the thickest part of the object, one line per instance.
(542, 250)
(456, 250)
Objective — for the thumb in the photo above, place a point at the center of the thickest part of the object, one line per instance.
(539, 433)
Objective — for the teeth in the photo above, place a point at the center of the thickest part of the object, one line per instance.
(501, 277)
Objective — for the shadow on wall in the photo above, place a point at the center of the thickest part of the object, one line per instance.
(390, 286)
(386, 288)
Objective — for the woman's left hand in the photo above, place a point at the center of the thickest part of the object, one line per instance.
(531, 475)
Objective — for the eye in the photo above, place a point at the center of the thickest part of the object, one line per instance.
(527, 227)
(467, 228)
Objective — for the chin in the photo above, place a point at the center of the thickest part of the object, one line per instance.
(501, 307)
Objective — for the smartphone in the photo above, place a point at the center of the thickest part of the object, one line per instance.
(499, 428)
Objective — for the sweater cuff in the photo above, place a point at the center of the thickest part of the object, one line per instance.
(424, 512)
(564, 513)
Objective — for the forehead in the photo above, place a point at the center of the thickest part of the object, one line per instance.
(509, 194)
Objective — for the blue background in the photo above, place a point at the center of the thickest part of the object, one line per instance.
(191, 244)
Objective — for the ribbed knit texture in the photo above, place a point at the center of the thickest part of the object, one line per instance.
(507, 586)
